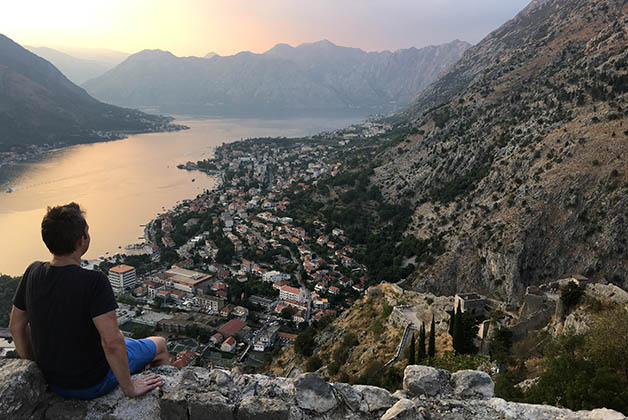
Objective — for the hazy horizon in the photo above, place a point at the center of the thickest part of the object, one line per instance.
(195, 27)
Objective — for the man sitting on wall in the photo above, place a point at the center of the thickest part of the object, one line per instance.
(64, 318)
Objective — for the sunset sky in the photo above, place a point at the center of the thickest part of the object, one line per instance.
(195, 27)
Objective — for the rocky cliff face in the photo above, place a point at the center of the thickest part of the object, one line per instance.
(316, 76)
(516, 156)
(197, 393)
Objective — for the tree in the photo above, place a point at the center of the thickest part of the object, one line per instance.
(422, 353)
(452, 319)
(500, 346)
(341, 354)
(458, 335)
(411, 352)
(8, 286)
(286, 313)
(506, 381)
(570, 295)
(607, 341)
(576, 383)
(313, 364)
(464, 332)
(431, 348)
(392, 379)
(305, 343)
(350, 340)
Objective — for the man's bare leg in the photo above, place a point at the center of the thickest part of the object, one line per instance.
(161, 355)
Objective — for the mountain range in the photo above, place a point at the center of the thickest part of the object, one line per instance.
(516, 156)
(311, 76)
(80, 66)
(38, 105)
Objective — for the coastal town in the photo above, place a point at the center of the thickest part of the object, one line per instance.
(232, 275)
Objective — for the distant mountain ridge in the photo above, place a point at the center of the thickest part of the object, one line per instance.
(38, 105)
(311, 76)
(76, 69)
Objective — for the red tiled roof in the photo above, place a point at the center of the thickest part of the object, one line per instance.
(290, 289)
(232, 327)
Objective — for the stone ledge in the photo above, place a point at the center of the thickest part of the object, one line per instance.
(196, 393)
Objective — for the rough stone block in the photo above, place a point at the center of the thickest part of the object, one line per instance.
(173, 405)
(403, 409)
(418, 380)
(209, 406)
(349, 395)
(376, 398)
(21, 388)
(255, 408)
(62, 409)
(313, 393)
(472, 384)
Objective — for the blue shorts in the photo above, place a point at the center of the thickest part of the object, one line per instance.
(140, 353)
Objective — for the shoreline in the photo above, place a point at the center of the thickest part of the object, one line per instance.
(38, 152)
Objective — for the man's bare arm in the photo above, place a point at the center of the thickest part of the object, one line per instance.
(114, 347)
(21, 333)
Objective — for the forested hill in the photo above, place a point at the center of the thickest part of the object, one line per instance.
(515, 159)
(38, 105)
(8, 286)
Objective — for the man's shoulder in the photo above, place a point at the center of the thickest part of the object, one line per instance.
(35, 265)
(96, 275)
(85, 276)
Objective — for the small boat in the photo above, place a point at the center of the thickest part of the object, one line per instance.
(193, 179)
(10, 190)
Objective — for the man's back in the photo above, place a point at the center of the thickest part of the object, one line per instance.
(61, 302)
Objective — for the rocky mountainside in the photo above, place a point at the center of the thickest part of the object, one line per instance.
(516, 157)
(38, 104)
(315, 76)
(198, 393)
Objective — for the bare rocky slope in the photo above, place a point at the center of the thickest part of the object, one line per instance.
(199, 394)
(516, 157)
(316, 76)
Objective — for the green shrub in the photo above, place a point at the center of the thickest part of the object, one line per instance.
(454, 362)
(570, 295)
(313, 364)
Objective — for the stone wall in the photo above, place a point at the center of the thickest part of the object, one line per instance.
(196, 393)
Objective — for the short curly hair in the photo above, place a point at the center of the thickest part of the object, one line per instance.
(62, 227)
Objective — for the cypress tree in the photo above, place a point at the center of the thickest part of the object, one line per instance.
(422, 353)
(458, 338)
(412, 351)
(452, 318)
(431, 348)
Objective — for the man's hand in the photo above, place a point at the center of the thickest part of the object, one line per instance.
(144, 384)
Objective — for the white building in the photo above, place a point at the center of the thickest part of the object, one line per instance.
(266, 339)
(228, 345)
(187, 280)
(207, 303)
(288, 292)
(275, 276)
(122, 277)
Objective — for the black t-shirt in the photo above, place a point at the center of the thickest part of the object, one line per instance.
(61, 302)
